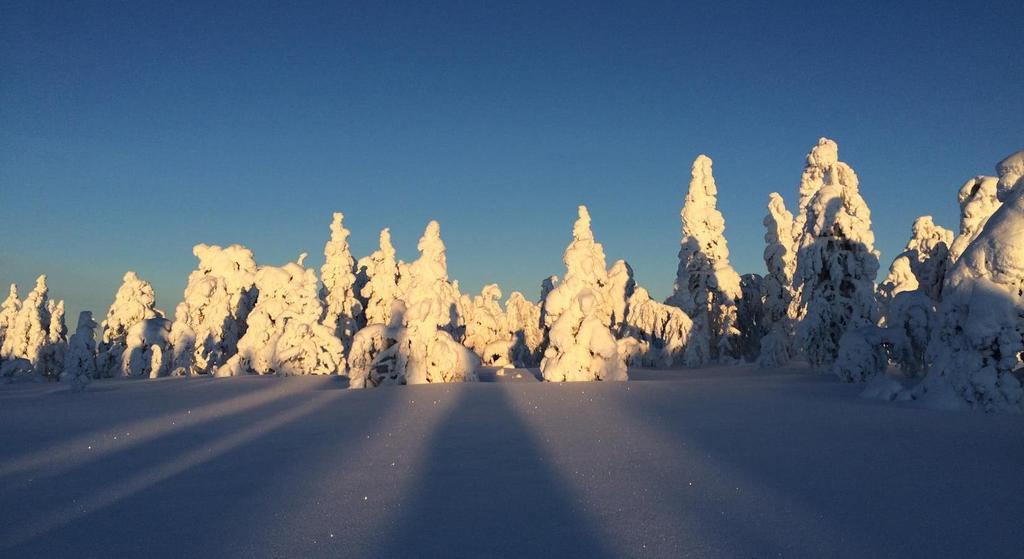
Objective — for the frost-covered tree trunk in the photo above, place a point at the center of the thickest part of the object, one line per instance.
(133, 303)
(579, 312)
(836, 259)
(285, 335)
(776, 346)
(80, 359)
(343, 313)
(706, 286)
(212, 315)
(381, 288)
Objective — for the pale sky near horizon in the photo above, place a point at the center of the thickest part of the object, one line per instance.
(130, 132)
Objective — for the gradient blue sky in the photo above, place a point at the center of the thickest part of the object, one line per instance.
(131, 131)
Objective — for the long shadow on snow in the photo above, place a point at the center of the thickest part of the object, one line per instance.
(168, 497)
(825, 473)
(486, 491)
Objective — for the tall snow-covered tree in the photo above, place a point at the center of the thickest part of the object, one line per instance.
(381, 288)
(836, 259)
(80, 359)
(706, 286)
(9, 312)
(343, 312)
(578, 313)
(133, 303)
(976, 353)
(417, 346)
(212, 315)
(285, 335)
(780, 259)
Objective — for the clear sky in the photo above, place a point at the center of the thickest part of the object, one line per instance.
(130, 131)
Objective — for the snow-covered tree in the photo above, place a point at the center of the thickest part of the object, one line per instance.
(778, 292)
(487, 330)
(80, 359)
(976, 352)
(585, 269)
(620, 287)
(578, 313)
(147, 351)
(418, 345)
(926, 257)
(750, 319)
(659, 332)
(978, 201)
(35, 341)
(212, 315)
(706, 286)
(9, 312)
(381, 288)
(133, 303)
(836, 259)
(523, 320)
(581, 345)
(284, 334)
(343, 313)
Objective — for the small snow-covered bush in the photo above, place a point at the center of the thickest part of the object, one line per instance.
(133, 303)
(662, 330)
(523, 320)
(487, 331)
(80, 359)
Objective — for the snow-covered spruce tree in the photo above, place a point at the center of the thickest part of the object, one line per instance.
(284, 334)
(778, 292)
(976, 352)
(133, 303)
(660, 331)
(978, 201)
(343, 313)
(9, 312)
(212, 315)
(706, 286)
(927, 257)
(147, 352)
(33, 345)
(523, 320)
(381, 288)
(80, 359)
(578, 313)
(620, 288)
(422, 348)
(581, 345)
(836, 259)
(487, 330)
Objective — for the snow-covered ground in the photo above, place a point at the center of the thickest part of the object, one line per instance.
(714, 462)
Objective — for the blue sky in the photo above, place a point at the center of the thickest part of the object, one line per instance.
(131, 131)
